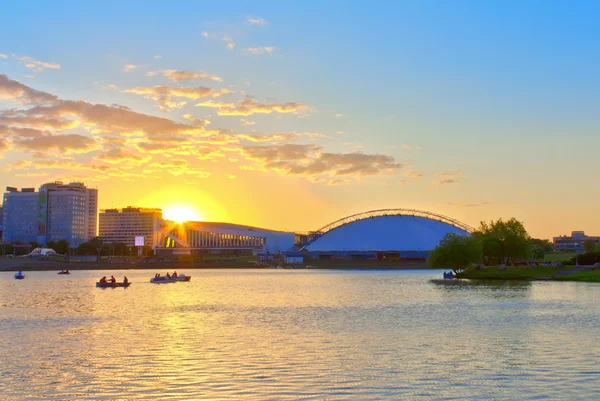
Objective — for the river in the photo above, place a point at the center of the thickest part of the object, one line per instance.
(296, 335)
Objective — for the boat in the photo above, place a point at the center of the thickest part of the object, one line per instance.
(164, 279)
(448, 276)
(19, 276)
(64, 272)
(112, 285)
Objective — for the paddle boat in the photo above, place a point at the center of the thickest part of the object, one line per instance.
(171, 279)
(19, 276)
(108, 284)
(64, 272)
(448, 275)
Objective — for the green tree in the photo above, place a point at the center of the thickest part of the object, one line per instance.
(62, 247)
(505, 240)
(589, 245)
(86, 248)
(35, 244)
(456, 252)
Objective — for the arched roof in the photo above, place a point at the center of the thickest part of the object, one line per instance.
(422, 229)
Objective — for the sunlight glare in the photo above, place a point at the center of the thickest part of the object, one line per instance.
(181, 213)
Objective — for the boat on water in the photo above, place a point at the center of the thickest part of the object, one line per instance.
(19, 276)
(64, 272)
(112, 285)
(164, 279)
(448, 276)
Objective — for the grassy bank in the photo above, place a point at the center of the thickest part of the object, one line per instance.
(566, 273)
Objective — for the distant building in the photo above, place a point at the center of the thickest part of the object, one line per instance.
(123, 225)
(55, 212)
(197, 238)
(1, 221)
(573, 242)
(20, 215)
(68, 212)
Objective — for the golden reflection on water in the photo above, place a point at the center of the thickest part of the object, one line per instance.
(277, 335)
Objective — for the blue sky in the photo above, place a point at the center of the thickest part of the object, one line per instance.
(497, 99)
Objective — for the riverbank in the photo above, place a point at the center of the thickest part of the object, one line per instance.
(28, 264)
(567, 273)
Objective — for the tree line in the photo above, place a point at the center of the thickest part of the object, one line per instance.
(94, 246)
(494, 243)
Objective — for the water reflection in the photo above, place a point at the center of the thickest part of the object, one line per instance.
(283, 334)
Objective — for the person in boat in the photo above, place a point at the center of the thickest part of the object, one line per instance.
(113, 279)
(168, 275)
(103, 279)
(174, 275)
(125, 281)
(157, 275)
(19, 273)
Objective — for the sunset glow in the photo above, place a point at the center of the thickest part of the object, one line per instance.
(180, 214)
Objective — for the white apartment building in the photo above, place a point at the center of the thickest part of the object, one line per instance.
(123, 225)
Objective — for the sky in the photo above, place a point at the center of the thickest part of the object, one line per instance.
(292, 115)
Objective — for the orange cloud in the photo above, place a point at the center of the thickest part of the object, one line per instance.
(164, 94)
(183, 75)
(36, 65)
(250, 106)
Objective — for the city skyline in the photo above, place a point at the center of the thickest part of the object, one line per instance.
(289, 117)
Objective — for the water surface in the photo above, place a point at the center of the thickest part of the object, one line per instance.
(296, 335)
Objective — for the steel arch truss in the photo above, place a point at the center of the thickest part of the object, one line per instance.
(387, 212)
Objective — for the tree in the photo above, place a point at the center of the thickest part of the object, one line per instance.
(539, 247)
(86, 248)
(456, 252)
(35, 244)
(589, 245)
(62, 247)
(505, 240)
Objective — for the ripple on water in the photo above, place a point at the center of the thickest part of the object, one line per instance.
(296, 335)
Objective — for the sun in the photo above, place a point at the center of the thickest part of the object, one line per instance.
(181, 213)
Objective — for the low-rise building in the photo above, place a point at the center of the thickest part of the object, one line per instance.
(574, 242)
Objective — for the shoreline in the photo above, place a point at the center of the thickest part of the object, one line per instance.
(45, 265)
(588, 274)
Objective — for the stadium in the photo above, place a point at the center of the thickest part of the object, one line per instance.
(385, 234)
(381, 234)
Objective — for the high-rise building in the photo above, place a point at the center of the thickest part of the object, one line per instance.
(123, 225)
(21, 210)
(68, 211)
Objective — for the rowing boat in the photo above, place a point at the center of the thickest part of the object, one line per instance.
(163, 280)
(112, 285)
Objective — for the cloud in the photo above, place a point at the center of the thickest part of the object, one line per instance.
(250, 106)
(14, 90)
(477, 204)
(256, 21)
(450, 173)
(4, 56)
(261, 50)
(129, 67)
(36, 65)
(412, 174)
(4, 145)
(118, 156)
(54, 164)
(225, 38)
(158, 57)
(339, 115)
(247, 122)
(339, 132)
(338, 182)
(68, 143)
(268, 138)
(164, 94)
(448, 181)
(183, 75)
(195, 120)
(310, 161)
